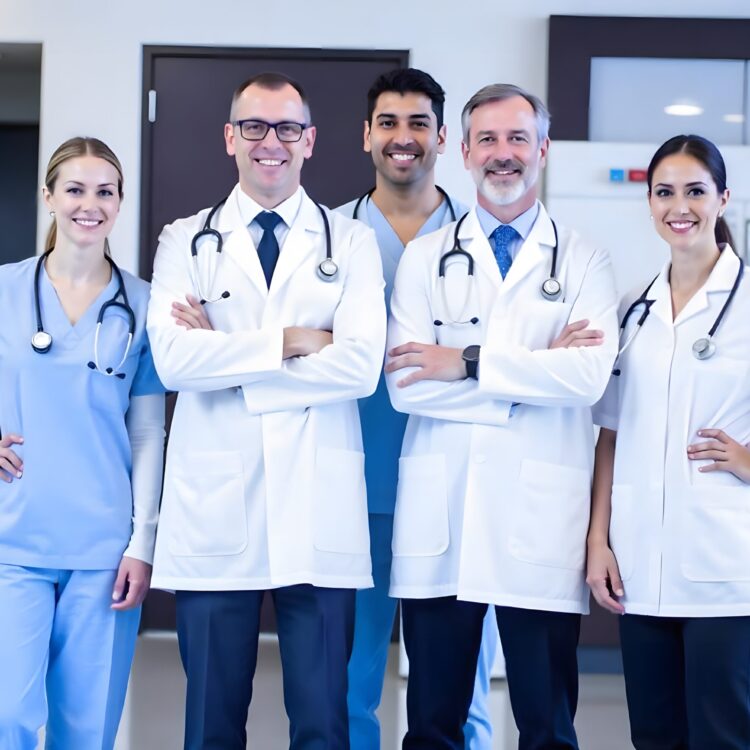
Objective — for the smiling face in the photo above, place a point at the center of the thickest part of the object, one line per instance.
(404, 138)
(504, 156)
(85, 200)
(685, 203)
(269, 170)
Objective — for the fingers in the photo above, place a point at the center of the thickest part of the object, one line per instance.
(713, 467)
(603, 597)
(719, 435)
(11, 465)
(120, 584)
(403, 360)
(589, 337)
(192, 315)
(412, 347)
(579, 325)
(11, 439)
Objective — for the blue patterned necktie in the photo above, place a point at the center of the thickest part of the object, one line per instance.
(268, 247)
(501, 240)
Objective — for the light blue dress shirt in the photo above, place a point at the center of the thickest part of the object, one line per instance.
(523, 224)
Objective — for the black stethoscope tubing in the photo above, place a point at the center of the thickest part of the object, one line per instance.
(41, 341)
(327, 268)
(550, 289)
(704, 347)
(365, 196)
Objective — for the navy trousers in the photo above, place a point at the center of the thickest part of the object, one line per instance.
(687, 681)
(442, 637)
(218, 637)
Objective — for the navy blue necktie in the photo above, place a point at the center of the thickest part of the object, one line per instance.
(268, 247)
(501, 240)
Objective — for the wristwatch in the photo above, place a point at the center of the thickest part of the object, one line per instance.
(470, 356)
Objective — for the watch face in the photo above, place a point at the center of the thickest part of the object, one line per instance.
(471, 353)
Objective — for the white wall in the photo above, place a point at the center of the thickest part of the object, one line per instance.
(91, 61)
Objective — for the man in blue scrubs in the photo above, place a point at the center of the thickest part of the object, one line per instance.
(404, 133)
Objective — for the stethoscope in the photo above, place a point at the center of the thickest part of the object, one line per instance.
(41, 341)
(703, 348)
(365, 196)
(327, 268)
(550, 288)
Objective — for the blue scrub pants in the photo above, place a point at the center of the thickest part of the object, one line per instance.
(687, 681)
(65, 658)
(373, 624)
(442, 638)
(218, 637)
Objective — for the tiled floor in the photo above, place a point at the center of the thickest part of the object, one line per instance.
(154, 714)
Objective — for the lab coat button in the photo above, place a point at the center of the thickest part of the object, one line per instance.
(480, 458)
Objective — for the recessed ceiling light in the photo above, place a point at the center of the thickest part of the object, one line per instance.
(683, 110)
(734, 118)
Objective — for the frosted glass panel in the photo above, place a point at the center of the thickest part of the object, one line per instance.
(631, 98)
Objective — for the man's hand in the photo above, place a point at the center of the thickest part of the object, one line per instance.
(132, 583)
(192, 315)
(727, 454)
(603, 577)
(576, 334)
(299, 342)
(435, 362)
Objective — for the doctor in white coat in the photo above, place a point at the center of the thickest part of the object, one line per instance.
(669, 544)
(264, 487)
(497, 457)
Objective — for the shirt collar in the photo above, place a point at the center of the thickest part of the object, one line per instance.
(522, 224)
(287, 210)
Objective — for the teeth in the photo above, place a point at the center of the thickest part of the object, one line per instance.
(681, 224)
(403, 157)
(87, 222)
(270, 162)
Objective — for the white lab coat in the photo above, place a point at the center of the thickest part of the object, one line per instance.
(493, 499)
(681, 538)
(264, 482)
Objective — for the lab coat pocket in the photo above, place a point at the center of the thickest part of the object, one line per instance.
(209, 517)
(420, 524)
(621, 529)
(535, 324)
(716, 535)
(551, 515)
(340, 512)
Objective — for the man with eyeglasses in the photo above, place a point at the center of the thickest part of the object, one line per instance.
(267, 342)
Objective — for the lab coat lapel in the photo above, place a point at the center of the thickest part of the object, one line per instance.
(720, 280)
(238, 244)
(662, 296)
(305, 235)
(474, 242)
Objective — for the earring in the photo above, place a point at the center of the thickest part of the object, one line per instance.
(52, 214)
(721, 213)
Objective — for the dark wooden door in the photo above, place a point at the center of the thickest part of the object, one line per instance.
(187, 93)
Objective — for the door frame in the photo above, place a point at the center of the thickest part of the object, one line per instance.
(151, 53)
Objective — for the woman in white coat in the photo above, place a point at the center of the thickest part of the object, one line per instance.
(669, 540)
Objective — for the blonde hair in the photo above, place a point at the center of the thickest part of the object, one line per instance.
(71, 149)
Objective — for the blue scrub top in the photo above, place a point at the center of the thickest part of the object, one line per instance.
(382, 426)
(72, 508)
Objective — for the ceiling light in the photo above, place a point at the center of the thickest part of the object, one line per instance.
(683, 110)
(734, 118)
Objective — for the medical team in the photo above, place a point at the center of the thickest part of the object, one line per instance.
(291, 468)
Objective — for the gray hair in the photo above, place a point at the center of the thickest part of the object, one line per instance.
(497, 92)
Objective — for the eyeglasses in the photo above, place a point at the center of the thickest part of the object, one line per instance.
(257, 130)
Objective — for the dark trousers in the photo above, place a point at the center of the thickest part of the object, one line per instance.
(218, 637)
(442, 638)
(687, 681)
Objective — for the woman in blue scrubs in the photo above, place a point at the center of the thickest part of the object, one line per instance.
(82, 423)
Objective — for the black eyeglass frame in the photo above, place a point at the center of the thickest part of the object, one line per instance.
(272, 126)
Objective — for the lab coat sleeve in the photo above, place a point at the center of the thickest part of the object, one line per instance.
(348, 368)
(569, 377)
(412, 320)
(145, 425)
(201, 360)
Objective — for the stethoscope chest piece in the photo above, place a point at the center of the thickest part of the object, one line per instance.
(551, 289)
(704, 348)
(41, 342)
(328, 269)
